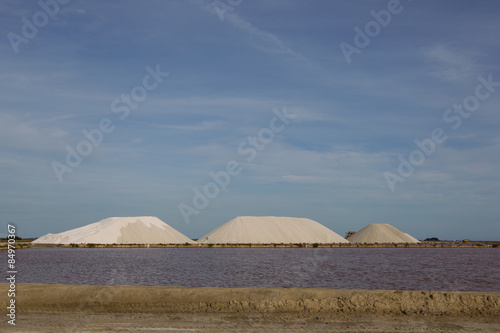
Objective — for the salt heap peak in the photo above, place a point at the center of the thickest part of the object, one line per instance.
(381, 233)
(271, 230)
(119, 230)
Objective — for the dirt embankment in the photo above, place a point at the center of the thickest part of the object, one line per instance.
(139, 299)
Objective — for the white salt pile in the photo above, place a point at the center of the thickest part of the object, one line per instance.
(271, 230)
(381, 233)
(119, 230)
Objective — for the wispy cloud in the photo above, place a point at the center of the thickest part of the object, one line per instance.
(311, 114)
(262, 40)
(76, 11)
(302, 179)
(16, 133)
(203, 126)
(226, 101)
(450, 64)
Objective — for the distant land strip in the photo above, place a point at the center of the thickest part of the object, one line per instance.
(422, 244)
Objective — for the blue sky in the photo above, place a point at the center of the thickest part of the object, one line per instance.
(227, 72)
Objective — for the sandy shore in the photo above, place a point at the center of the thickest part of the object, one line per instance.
(82, 308)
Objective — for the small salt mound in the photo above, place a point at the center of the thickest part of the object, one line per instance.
(119, 230)
(381, 233)
(271, 230)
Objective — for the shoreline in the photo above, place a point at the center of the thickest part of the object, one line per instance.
(422, 244)
(220, 309)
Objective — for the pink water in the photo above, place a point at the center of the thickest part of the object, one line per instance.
(471, 269)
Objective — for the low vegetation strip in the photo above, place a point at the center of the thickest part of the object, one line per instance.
(422, 244)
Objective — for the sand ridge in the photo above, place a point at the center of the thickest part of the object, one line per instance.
(84, 308)
(299, 300)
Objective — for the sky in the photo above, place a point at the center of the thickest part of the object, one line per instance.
(199, 111)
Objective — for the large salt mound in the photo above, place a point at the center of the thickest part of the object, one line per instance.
(381, 233)
(119, 230)
(271, 230)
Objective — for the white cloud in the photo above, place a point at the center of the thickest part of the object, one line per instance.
(308, 114)
(203, 126)
(260, 39)
(344, 166)
(9, 163)
(302, 179)
(18, 134)
(75, 11)
(213, 101)
(450, 64)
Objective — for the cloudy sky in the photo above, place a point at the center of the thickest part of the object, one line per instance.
(362, 80)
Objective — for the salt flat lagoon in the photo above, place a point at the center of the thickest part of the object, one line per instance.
(461, 269)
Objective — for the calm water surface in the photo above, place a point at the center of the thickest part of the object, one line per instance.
(472, 269)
